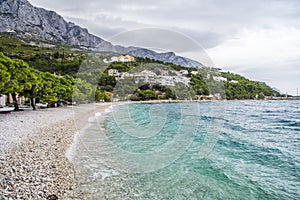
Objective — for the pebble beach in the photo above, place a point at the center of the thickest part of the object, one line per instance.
(33, 146)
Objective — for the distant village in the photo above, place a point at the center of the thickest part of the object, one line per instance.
(156, 76)
(162, 77)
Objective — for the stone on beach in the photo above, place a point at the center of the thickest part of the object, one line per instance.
(33, 147)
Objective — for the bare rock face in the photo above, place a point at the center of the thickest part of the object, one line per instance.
(26, 20)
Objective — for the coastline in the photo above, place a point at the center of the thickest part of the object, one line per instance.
(35, 164)
(202, 101)
(33, 161)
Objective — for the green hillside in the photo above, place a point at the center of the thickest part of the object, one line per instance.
(34, 63)
(42, 55)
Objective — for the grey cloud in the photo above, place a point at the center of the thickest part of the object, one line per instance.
(158, 38)
(206, 39)
(210, 23)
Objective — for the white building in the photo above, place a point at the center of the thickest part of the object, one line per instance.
(164, 72)
(122, 58)
(114, 59)
(165, 80)
(113, 72)
(146, 76)
(219, 78)
(184, 72)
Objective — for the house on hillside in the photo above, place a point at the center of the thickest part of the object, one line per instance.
(122, 58)
(180, 79)
(113, 72)
(126, 58)
(146, 76)
(166, 80)
(164, 72)
(184, 72)
(114, 59)
(233, 81)
(219, 78)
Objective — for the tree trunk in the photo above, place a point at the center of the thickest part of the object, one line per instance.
(15, 101)
(32, 102)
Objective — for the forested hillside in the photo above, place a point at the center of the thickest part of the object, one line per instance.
(48, 72)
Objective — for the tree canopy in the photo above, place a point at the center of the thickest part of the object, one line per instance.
(18, 78)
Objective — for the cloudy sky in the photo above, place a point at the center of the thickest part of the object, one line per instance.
(258, 39)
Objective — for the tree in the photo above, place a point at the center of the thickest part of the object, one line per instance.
(199, 85)
(64, 87)
(144, 95)
(82, 91)
(19, 73)
(48, 92)
(4, 74)
(107, 83)
(37, 83)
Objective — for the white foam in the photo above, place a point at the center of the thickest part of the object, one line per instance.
(109, 109)
(107, 173)
(71, 151)
(97, 114)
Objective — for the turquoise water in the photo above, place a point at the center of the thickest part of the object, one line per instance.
(225, 150)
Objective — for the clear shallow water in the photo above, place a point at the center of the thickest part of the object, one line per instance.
(227, 150)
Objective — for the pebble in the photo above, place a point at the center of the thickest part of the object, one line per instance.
(35, 167)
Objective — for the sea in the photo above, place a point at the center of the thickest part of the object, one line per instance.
(200, 150)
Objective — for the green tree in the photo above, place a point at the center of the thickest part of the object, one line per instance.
(4, 74)
(19, 79)
(199, 85)
(36, 84)
(144, 95)
(107, 83)
(82, 91)
(64, 87)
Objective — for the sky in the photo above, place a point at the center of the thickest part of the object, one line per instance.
(259, 39)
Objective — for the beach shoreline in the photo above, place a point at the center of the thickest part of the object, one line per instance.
(33, 158)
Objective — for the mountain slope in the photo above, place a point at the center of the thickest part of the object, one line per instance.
(20, 17)
(166, 57)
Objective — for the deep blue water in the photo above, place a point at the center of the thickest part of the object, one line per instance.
(211, 150)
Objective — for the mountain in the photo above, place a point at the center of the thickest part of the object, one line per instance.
(25, 20)
(21, 17)
(166, 57)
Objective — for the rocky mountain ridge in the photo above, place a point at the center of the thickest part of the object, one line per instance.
(25, 20)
